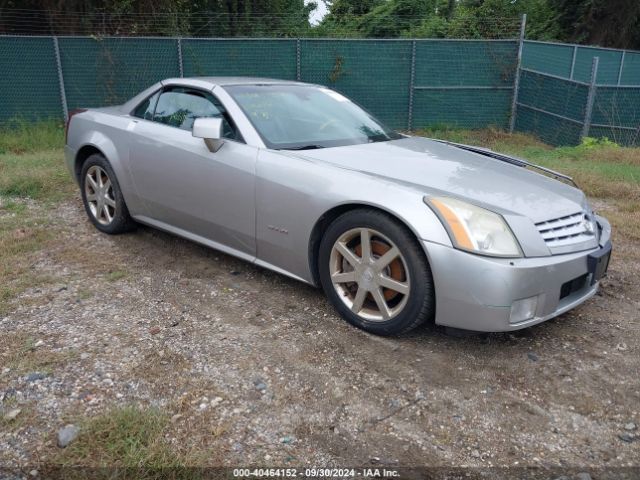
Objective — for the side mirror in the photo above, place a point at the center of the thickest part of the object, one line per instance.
(210, 129)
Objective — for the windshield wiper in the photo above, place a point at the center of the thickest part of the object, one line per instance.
(379, 138)
(304, 147)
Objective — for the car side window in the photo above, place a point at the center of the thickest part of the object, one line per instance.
(179, 107)
(146, 108)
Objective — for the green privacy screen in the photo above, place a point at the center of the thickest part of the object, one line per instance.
(231, 57)
(631, 69)
(561, 60)
(616, 115)
(551, 108)
(608, 67)
(557, 109)
(109, 71)
(463, 83)
(29, 87)
(405, 82)
(374, 73)
(554, 59)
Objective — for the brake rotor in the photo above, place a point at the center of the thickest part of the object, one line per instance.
(394, 270)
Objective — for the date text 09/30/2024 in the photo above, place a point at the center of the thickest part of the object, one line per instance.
(315, 473)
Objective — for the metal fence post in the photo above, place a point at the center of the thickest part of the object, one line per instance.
(412, 77)
(573, 62)
(634, 141)
(180, 62)
(63, 95)
(590, 99)
(621, 66)
(516, 80)
(298, 72)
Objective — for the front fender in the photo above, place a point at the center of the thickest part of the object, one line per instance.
(293, 194)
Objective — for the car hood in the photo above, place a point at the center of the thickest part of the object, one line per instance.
(441, 169)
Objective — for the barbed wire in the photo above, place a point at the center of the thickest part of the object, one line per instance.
(19, 21)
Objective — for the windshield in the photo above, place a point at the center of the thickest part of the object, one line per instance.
(305, 116)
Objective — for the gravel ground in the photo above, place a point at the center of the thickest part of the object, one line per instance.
(255, 368)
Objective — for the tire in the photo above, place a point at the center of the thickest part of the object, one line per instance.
(401, 311)
(100, 190)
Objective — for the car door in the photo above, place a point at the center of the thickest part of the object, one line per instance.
(184, 185)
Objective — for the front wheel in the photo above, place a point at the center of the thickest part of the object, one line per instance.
(375, 273)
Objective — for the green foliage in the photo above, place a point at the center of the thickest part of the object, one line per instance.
(603, 22)
(162, 17)
(39, 175)
(31, 161)
(485, 18)
(563, 20)
(590, 142)
(599, 22)
(439, 18)
(21, 136)
(392, 18)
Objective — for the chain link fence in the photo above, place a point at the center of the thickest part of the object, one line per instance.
(557, 92)
(407, 83)
(568, 92)
(29, 83)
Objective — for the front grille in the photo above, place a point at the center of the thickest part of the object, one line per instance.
(567, 230)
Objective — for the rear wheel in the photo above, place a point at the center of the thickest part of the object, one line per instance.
(375, 273)
(102, 197)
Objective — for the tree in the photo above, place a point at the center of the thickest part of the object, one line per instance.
(442, 18)
(392, 18)
(158, 17)
(343, 18)
(611, 23)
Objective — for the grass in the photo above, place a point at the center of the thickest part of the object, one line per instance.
(18, 136)
(19, 353)
(38, 175)
(21, 236)
(32, 161)
(84, 294)
(24, 418)
(116, 275)
(128, 438)
(31, 169)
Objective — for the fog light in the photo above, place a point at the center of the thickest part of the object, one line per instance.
(524, 309)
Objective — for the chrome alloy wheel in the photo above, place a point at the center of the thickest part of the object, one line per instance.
(99, 194)
(369, 274)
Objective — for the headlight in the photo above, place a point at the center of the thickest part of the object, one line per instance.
(474, 228)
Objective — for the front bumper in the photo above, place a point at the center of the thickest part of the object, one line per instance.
(476, 293)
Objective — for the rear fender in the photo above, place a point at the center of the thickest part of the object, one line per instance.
(110, 135)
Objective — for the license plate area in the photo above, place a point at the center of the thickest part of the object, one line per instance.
(598, 262)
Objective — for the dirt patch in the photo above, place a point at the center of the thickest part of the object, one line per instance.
(247, 366)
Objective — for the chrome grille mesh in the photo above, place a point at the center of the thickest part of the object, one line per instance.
(566, 230)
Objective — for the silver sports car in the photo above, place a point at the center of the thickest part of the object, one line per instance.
(397, 230)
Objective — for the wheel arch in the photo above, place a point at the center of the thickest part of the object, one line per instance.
(83, 154)
(330, 215)
(89, 139)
